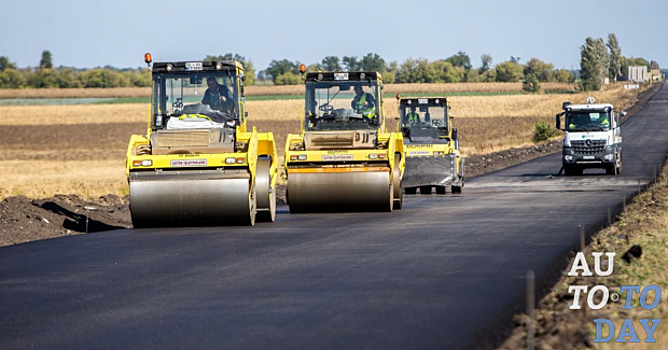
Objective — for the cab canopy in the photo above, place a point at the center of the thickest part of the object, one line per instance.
(343, 101)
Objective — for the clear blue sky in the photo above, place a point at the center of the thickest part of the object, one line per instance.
(118, 32)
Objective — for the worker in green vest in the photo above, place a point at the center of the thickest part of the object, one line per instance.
(363, 103)
(412, 117)
(603, 119)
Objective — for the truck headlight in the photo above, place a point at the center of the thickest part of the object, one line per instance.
(568, 158)
(609, 156)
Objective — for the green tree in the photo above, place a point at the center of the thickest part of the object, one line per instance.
(287, 78)
(594, 65)
(541, 70)
(474, 76)
(460, 59)
(531, 83)
(6, 64)
(278, 67)
(46, 61)
(10, 78)
(490, 76)
(249, 70)
(615, 57)
(508, 71)
(563, 76)
(351, 63)
(331, 64)
(372, 62)
(101, 78)
(486, 63)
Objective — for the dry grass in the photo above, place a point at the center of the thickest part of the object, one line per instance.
(73, 114)
(257, 90)
(75, 93)
(46, 178)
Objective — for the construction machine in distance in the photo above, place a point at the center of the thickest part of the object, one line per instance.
(431, 146)
(344, 159)
(197, 164)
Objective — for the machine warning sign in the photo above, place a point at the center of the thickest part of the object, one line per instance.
(187, 162)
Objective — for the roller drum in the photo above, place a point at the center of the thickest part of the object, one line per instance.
(340, 191)
(189, 200)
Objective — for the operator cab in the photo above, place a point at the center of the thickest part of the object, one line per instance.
(342, 101)
(196, 95)
(424, 120)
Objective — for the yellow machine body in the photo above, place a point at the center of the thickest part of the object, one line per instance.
(344, 159)
(198, 165)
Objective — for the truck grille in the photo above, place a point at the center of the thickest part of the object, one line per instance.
(586, 147)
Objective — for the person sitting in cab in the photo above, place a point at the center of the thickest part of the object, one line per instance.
(218, 96)
(363, 103)
(603, 119)
(412, 117)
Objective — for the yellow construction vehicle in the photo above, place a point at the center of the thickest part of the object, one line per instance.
(431, 146)
(197, 164)
(344, 159)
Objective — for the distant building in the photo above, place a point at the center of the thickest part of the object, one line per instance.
(638, 74)
(656, 72)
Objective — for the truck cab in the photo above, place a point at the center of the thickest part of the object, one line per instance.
(592, 137)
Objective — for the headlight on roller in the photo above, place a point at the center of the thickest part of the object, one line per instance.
(145, 162)
(230, 160)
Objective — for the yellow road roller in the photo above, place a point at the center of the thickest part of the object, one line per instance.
(197, 164)
(344, 159)
(431, 145)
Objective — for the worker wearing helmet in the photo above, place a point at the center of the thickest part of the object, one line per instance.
(363, 103)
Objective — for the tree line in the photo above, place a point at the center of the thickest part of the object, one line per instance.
(599, 60)
(454, 69)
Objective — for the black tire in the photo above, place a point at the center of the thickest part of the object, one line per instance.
(440, 189)
(425, 190)
(410, 190)
(611, 170)
(456, 189)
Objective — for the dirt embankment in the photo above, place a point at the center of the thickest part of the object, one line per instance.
(23, 219)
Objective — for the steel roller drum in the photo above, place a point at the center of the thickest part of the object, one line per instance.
(431, 170)
(191, 199)
(355, 191)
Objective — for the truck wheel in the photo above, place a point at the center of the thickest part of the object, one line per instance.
(611, 170)
(425, 190)
(456, 189)
(410, 190)
(440, 189)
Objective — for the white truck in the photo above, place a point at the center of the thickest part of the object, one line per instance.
(592, 137)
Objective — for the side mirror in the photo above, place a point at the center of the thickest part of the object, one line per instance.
(558, 121)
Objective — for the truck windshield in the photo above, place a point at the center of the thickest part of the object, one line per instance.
(341, 105)
(423, 116)
(206, 95)
(588, 121)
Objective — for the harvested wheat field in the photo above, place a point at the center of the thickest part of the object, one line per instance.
(269, 90)
(81, 148)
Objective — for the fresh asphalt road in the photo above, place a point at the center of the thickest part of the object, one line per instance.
(440, 273)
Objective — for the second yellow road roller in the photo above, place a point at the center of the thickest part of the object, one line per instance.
(344, 159)
(198, 164)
